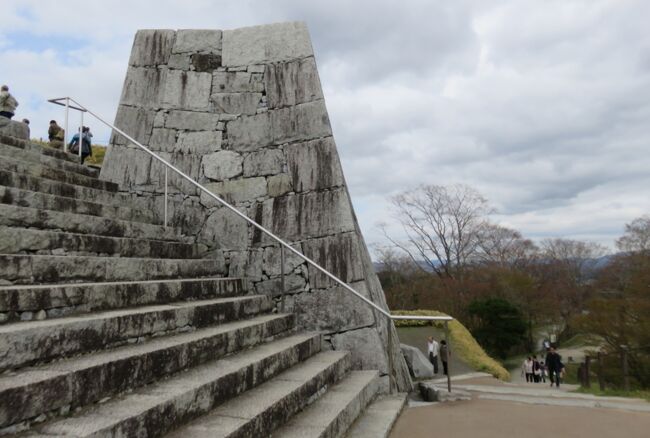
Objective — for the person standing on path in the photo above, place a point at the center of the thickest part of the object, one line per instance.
(554, 365)
(7, 103)
(433, 348)
(444, 356)
(527, 369)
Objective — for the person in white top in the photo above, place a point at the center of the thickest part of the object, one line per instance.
(527, 369)
(433, 348)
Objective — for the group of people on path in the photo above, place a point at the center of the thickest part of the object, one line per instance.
(56, 134)
(436, 349)
(536, 371)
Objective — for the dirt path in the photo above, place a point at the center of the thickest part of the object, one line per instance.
(499, 409)
(496, 419)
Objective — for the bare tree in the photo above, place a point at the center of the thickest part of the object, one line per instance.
(637, 236)
(573, 255)
(504, 246)
(441, 224)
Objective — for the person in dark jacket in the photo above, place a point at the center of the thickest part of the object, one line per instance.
(554, 366)
(444, 356)
(86, 147)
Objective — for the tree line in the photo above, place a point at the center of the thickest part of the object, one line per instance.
(508, 289)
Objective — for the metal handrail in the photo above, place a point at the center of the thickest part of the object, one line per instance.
(279, 240)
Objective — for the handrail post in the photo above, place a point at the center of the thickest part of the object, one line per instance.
(447, 356)
(282, 277)
(391, 365)
(81, 128)
(166, 176)
(65, 133)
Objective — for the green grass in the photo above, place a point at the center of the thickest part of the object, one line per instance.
(462, 341)
(595, 390)
(97, 159)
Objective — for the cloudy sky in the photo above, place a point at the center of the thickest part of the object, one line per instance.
(543, 106)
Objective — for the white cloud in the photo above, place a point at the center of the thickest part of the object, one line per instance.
(542, 106)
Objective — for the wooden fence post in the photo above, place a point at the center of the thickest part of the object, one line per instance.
(587, 372)
(626, 374)
(601, 378)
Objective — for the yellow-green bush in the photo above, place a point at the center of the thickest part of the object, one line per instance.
(462, 343)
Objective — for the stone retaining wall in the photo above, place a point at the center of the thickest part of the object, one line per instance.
(242, 112)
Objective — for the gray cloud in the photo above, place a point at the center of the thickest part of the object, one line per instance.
(542, 106)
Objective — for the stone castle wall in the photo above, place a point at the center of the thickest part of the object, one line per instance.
(242, 112)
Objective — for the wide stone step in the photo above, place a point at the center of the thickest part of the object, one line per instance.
(379, 418)
(70, 383)
(33, 241)
(30, 269)
(44, 201)
(33, 147)
(162, 406)
(24, 343)
(57, 188)
(39, 157)
(261, 410)
(333, 413)
(46, 172)
(29, 302)
(17, 216)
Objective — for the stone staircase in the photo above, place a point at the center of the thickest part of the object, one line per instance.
(113, 325)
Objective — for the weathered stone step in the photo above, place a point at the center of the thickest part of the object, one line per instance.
(33, 147)
(16, 216)
(38, 157)
(333, 413)
(28, 269)
(379, 417)
(24, 343)
(57, 188)
(162, 406)
(44, 201)
(29, 302)
(80, 381)
(261, 410)
(46, 172)
(33, 241)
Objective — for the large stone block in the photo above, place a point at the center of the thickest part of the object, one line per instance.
(197, 40)
(236, 190)
(291, 83)
(263, 44)
(278, 185)
(246, 264)
(315, 214)
(14, 129)
(134, 121)
(332, 310)
(143, 87)
(419, 366)
(192, 120)
(163, 139)
(293, 283)
(222, 165)
(128, 166)
(339, 254)
(272, 257)
(187, 90)
(226, 230)
(152, 47)
(301, 122)
(236, 103)
(367, 348)
(235, 82)
(314, 165)
(200, 142)
(264, 162)
(249, 133)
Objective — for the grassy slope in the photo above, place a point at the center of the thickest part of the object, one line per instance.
(98, 152)
(462, 342)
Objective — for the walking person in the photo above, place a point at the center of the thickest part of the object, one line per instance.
(444, 356)
(8, 103)
(433, 348)
(527, 369)
(542, 371)
(554, 365)
(55, 134)
(536, 370)
(86, 147)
